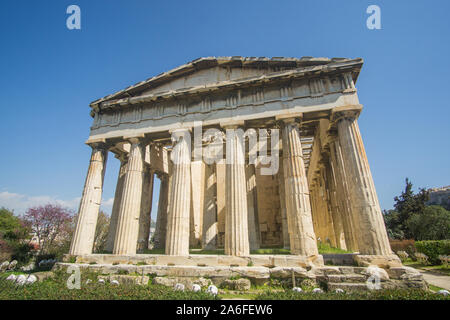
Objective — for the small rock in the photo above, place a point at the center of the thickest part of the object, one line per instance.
(239, 284)
(339, 290)
(102, 281)
(31, 279)
(297, 289)
(12, 277)
(21, 279)
(196, 288)
(164, 281)
(444, 292)
(4, 266)
(179, 287)
(317, 290)
(28, 267)
(115, 282)
(12, 265)
(212, 289)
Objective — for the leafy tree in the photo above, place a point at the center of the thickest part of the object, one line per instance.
(409, 204)
(432, 224)
(391, 219)
(51, 224)
(14, 237)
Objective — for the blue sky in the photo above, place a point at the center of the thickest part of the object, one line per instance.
(49, 75)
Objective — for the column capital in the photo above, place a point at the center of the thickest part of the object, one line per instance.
(351, 111)
(98, 144)
(235, 124)
(136, 139)
(289, 118)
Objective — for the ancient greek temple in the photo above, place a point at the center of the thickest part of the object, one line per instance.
(320, 191)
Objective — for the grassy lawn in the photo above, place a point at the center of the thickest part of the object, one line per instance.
(56, 289)
(437, 269)
(410, 294)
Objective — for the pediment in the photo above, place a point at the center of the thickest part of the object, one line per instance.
(214, 70)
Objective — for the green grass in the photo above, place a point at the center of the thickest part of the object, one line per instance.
(404, 294)
(325, 248)
(56, 289)
(437, 269)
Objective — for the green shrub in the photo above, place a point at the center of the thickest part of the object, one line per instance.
(23, 252)
(433, 248)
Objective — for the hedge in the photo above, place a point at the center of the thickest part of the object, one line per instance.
(433, 248)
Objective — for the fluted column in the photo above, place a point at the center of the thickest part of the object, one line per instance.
(284, 222)
(209, 240)
(372, 236)
(334, 207)
(116, 205)
(130, 203)
(161, 219)
(177, 239)
(83, 238)
(236, 218)
(326, 205)
(301, 232)
(252, 203)
(343, 196)
(146, 209)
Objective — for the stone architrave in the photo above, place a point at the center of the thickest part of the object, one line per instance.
(131, 200)
(177, 237)
(83, 238)
(301, 232)
(236, 219)
(116, 205)
(372, 236)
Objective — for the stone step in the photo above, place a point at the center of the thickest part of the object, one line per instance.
(348, 287)
(349, 278)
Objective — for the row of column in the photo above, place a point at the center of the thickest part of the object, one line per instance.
(346, 210)
(344, 191)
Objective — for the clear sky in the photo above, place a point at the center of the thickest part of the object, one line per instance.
(49, 75)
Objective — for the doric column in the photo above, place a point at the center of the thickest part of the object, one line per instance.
(236, 219)
(334, 207)
(326, 207)
(146, 209)
(116, 205)
(130, 203)
(252, 203)
(343, 196)
(83, 238)
(161, 219)
(177, 239)
(209, 240)
(372, 236)
(284, 222)
(301, 232)
(197, 202)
